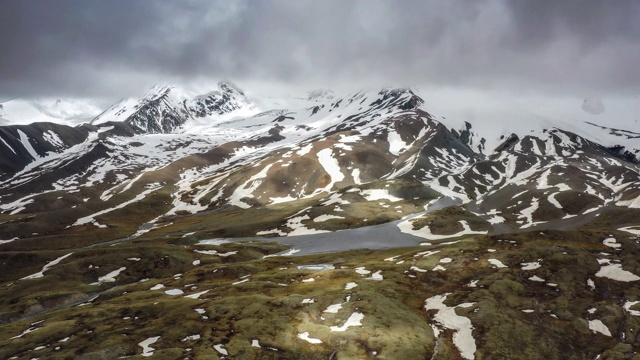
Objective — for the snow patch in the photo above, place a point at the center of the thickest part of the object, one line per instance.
(406, 227)
(350, 285)
(530, 265)
(48, 266)
(615, 272)
(147, 350)
(379, 194)
(325, 217)
(331, 167)
(611, 242)
(333, 308)
(497, 263)
(110, 277)
(220, 349)
(599, 326)
(174, 292)
(627, 306)
(355, 319)
(446, 317)
(305, 336)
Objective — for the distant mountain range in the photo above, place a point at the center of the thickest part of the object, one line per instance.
(170, 166)
(334, 142)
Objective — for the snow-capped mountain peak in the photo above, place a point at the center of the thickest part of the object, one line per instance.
(167, 108)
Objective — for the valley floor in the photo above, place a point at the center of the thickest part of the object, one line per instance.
(535, 295)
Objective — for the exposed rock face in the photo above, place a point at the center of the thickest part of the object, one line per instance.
(161, 111)
(24, 144)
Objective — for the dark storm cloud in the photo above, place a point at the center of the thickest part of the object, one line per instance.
(104, 48)
(590, 22)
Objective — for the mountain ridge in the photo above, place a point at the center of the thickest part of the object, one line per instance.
(338, 214)
(393, 138)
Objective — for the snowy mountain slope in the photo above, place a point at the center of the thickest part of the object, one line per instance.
(532, 233)
(495, 119)
(538, 181)
(379, 155)
(23, 145)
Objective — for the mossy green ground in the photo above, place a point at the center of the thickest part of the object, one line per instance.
(250, 297)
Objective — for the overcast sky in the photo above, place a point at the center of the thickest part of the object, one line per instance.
(114, 48)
